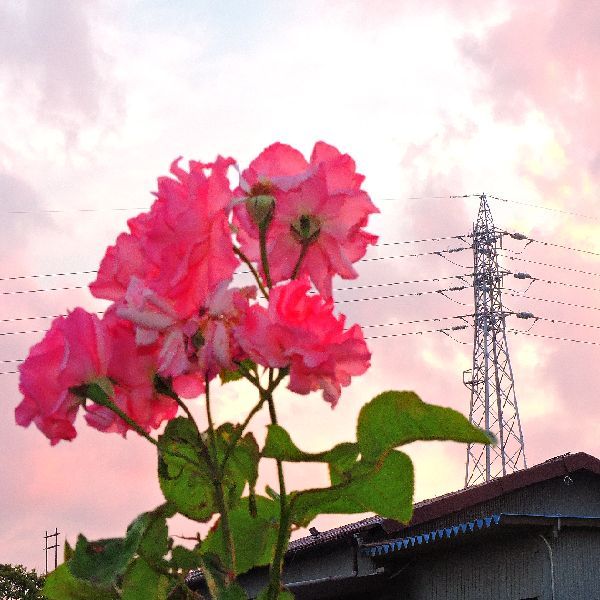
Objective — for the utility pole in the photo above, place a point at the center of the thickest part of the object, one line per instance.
(493, 400)
(47, 537)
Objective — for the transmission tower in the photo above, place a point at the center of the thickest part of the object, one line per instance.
(493, 400)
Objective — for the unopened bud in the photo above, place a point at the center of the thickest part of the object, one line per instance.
(260, 209)
(306, 229)
(198, 340)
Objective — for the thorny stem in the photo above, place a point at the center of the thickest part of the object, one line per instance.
(276, 569)
(254, 272)
(262, 238)
(273, 383)
(228, 545)
(108, 403)
(240, 430)
(246, 373)
(303, 251)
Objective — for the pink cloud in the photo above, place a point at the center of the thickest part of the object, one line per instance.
(546, 56)
(52, 58)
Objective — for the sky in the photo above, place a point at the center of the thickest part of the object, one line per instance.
(432, 99)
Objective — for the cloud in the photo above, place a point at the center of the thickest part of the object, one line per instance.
(53, 64)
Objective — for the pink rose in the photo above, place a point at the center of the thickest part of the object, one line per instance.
(215, 346)
(131, 369)
(318, 205)
(73, 352)
(300, 331)
(182, 248)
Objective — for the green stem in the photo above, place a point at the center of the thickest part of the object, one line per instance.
(240, 430)
(228, 544)
(276, 570)
(249, 376)
(100, 397)
(300, 259)
(254, 272)
(262, 238)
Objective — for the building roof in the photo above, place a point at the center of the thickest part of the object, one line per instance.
(501, 521)
(332, 535)
(446, 504)
(427, 510)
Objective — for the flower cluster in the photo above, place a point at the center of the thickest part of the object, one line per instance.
(177, 321)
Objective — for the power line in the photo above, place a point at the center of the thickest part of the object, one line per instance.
(549, 208)
(571, 285)
(520, 236)
(378, 285)
(552, 337)
(549, 320)
(58, 289)
(543, 264)
(91, 272)
(36, 276)
(368, 326)
(433, 319)
(452, 289)
(518, 295)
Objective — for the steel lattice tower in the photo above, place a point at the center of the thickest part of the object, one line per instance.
(493, 400)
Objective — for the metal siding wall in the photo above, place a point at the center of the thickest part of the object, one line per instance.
(577, 564)
(582, 498)
(505, 569)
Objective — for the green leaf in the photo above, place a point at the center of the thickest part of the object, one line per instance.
(385, 488)
(187, 484)
(154, 543)
(184, 559)
(254, 537)
(242, 462)
(218, 581)
(61, 584)
(141, 582)
(228, 375)
(102, 561)
(393, 419)
(279, 445)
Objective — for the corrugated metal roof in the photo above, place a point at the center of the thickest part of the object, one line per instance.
(334, 534)
(446, 533)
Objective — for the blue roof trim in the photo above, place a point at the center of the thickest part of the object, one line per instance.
(433, 536)
(463, 528)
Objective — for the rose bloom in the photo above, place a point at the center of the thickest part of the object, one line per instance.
(132, 369)
(300, 331)
(194, 348)
(73, 352)
(182, 248)
(78, 350)
(318, 216)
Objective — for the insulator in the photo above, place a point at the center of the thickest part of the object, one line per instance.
(518, 236)
(525, 315)
(522, 276)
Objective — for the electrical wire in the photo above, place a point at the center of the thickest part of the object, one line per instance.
(442, 330)
(58, 289)
(565, 284)
(378, 285)
(549, 208)
(518, 295)
(552, 337)
(543, 264)
(36, 276)
(572, 323)
(562, 246)
(368, 326)
(20, 277)
(452, 289)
